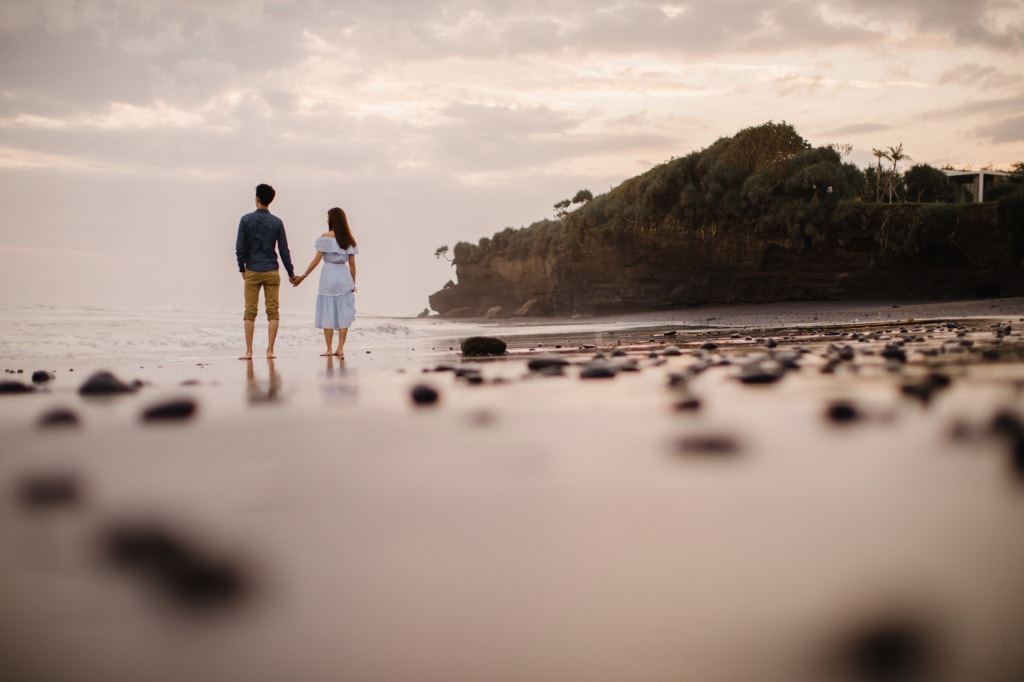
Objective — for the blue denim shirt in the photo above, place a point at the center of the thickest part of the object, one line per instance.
(258, 233)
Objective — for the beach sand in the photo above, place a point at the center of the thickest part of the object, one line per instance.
(706, 515)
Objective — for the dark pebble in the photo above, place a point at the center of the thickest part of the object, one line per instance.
(1010, 425)
(175, 568)
(761, 373)
(15, 388)
(889, 650)
(709, 345)
(171, 410)
(894, 352)
(41, 376)
(476, 346)
(105, 383)
(598, 370)
(788, 360)
(671, 333)
(545, 361)
(58, 417)
(424, 395)
(46, 491)
(709, 445)
(672, 350)
(830, 366)
(845, 353)
(926, 388)
(842, 412)
(687, 405)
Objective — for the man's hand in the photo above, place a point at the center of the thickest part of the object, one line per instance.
(296, 280)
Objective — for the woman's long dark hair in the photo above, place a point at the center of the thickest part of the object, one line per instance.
(338, 222)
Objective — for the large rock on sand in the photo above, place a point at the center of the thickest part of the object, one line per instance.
(483, 345)
(105, 383)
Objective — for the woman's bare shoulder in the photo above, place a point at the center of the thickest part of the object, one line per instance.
(327, 234)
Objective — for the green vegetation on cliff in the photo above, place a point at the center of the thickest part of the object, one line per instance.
(766, 179)
(734, 222)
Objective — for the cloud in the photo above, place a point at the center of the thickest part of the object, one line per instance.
(981, 77)
(995, 25)
(989, 108)
(857, 129)
(1003, 131)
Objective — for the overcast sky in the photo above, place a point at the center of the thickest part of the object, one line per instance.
(133, 133)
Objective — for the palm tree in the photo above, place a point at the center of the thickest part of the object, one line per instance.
(879, 154)
(895, 154)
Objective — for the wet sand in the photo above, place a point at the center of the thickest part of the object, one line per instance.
(803, 492)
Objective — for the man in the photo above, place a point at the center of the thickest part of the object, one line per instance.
(258, 233)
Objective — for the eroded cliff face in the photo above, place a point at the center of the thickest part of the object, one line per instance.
(868, 253)
(503, 286)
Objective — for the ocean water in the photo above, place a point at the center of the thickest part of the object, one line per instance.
(53, 333)
(49, 333)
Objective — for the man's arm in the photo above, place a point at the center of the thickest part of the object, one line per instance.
(241, 247)
(286, 256)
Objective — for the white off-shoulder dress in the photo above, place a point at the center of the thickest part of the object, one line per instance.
(336, 301)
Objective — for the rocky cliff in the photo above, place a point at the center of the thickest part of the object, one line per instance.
(720, 227)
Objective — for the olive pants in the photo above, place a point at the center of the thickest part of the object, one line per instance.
(270, 282)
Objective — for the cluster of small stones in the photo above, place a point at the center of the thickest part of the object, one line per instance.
(98, 385)
(918, 356)
(166, 559)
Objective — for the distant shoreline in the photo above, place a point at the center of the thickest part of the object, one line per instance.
(784, 312)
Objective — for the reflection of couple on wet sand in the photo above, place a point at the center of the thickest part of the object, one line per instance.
(260, 236)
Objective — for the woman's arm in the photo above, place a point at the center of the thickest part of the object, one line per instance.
(352, 268)
(312, 265)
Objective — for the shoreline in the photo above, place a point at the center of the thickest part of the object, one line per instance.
(786, 312)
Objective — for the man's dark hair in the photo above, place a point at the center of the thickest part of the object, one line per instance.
(265, 193)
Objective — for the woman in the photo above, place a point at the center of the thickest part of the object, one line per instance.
(336, 302)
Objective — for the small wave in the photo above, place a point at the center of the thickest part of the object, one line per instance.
(49, 333)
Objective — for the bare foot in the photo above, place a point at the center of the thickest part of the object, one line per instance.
(340, 354)
(327, 354)
(270, 356)
(246, 357)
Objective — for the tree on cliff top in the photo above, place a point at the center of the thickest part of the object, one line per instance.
(562, 207)
(764, 148)
(442, 252)
(927, 184)
(766, 178)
